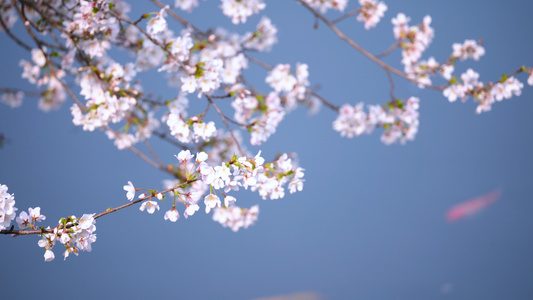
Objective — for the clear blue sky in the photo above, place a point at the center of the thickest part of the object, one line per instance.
(369, 223)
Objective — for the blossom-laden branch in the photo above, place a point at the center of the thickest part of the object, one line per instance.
(78, 234)
(73, 41)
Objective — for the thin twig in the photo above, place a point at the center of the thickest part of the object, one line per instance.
(164, 136)
(324, 101)
(146, 158)
(69, 91)
(388, 51)
(221, 96)
(391, 92)
(154, 155)
(26, 93)
(226, 123)
(347, 15)
(205, 110)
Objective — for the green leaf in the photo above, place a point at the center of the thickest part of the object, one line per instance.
(504, 78)
(453, 80)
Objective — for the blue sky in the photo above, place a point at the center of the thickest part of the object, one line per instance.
(370, 222)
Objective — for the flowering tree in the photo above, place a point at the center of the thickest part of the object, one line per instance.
(72, 48)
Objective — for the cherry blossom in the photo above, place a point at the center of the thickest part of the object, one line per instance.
(28, 220)
(158, 23)
(24, 221)
(86, 221)
(172, 215)
(38, 57)
(184, 156)
(211, 201)
(130, 189)
(150, 206)
(190, 210)
(49, 255)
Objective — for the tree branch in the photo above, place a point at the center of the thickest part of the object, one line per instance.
(369, 55)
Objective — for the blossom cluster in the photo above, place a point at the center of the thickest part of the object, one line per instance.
(186, 5)
(263, 38)
(13, 99)
(28, 219)
(75, 234)
(7, 207)
(371, 12)
(267, 179)
(236, 217)
(240, 10)
(40, 73)
(413, 40)
(398, 118)
(195, 63)
(484, 94)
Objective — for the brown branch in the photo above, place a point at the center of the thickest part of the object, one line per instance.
(146, 158)
(259, 63)
(13, 37)
(154, 155)
(107, 211)
(182, 21)
(369, 55)
(26, 93)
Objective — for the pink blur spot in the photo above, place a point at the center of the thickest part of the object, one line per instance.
(472, 206)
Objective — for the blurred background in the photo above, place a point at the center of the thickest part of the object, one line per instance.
(370, 222)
